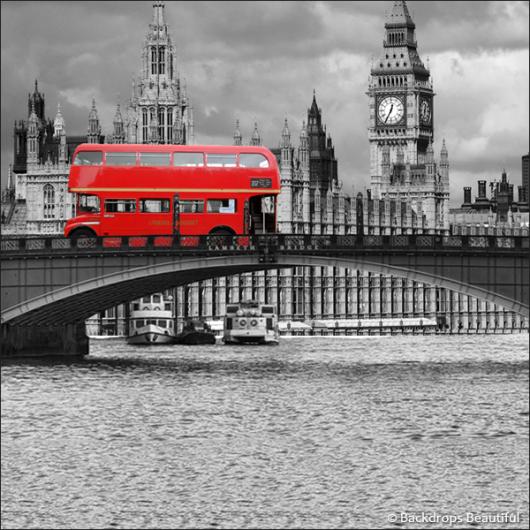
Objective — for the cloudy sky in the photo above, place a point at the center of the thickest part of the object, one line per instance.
(260, 61)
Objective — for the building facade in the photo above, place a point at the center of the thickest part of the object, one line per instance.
(158, 111)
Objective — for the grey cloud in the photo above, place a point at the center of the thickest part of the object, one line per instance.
(256, 61)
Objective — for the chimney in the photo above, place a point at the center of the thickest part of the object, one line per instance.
(467, 196)
(481, 189)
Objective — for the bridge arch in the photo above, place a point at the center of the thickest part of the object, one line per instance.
(78, 301)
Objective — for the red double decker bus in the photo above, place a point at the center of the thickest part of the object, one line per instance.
(142, 190)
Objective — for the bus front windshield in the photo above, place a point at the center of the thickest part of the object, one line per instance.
(87, 204)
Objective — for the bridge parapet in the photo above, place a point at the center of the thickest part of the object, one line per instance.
(267, 244)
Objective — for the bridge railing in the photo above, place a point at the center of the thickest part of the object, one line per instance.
(262, 243)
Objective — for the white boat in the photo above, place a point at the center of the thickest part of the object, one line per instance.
(151, 320)
(250, 322)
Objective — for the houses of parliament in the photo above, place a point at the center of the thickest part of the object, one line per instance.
(409, 189)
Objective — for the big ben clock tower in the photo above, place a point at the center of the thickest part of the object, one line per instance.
(401, 103)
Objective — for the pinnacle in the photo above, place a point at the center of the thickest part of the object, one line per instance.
(400, 13)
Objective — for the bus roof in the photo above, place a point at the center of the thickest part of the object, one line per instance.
(174, 148)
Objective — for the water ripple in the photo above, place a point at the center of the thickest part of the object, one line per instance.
(316, 433)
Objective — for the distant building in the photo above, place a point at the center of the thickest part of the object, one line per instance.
(499, 209)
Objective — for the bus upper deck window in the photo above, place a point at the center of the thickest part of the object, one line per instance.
(154, 159)
(88, 158)
(188, 159)
(121, 159)
(220, 160)
(252, 160)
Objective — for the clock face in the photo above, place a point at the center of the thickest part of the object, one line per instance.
(425, 112)
(390, 110)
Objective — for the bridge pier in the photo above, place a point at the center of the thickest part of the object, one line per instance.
(44, 341)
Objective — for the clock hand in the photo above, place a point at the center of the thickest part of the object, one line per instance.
(389, 112)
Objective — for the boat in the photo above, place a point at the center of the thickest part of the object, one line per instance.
(250, 322)
(151, 320)
(195, 332)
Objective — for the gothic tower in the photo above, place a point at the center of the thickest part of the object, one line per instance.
(94, 129)
(159, 109)
(322, 161)
(401, 100)
(118, 136)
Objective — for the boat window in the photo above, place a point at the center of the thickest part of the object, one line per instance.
(193, 206)
(139, 323)
(146, 299)
(88, 158)
(188, 159)
(156, 298)
(162, 323)
(136, 307)
(231, 308)
(252, 160)
(220, 160)
(267, 310)
(120, 205)
(221, 206)
(154, 159)
(120, 159)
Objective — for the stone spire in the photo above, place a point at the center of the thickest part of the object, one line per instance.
(94, 128)
(256, 138)
(286, 136)
(58, 123)
(119, 131)
(32, 141)
(36, 101)
(304, 145)
(238, 140)
(158, 15)
(400, 14)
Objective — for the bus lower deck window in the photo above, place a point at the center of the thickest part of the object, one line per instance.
(192, 206)
(88, 203)
(221, 205)
(154, 205)
(120, 205)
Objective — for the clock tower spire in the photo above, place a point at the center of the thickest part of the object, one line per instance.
(401, 98)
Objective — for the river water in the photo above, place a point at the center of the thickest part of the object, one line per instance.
(316, 433)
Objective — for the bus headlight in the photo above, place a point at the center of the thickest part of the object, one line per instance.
(261, 183)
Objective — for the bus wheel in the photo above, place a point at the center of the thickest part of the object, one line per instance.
(220, 238)
(82, 233)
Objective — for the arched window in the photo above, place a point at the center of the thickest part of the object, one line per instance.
(161, 60)
(169, 124)
(49, 202)
(153, 61)
(161, 124)
(145, 124)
